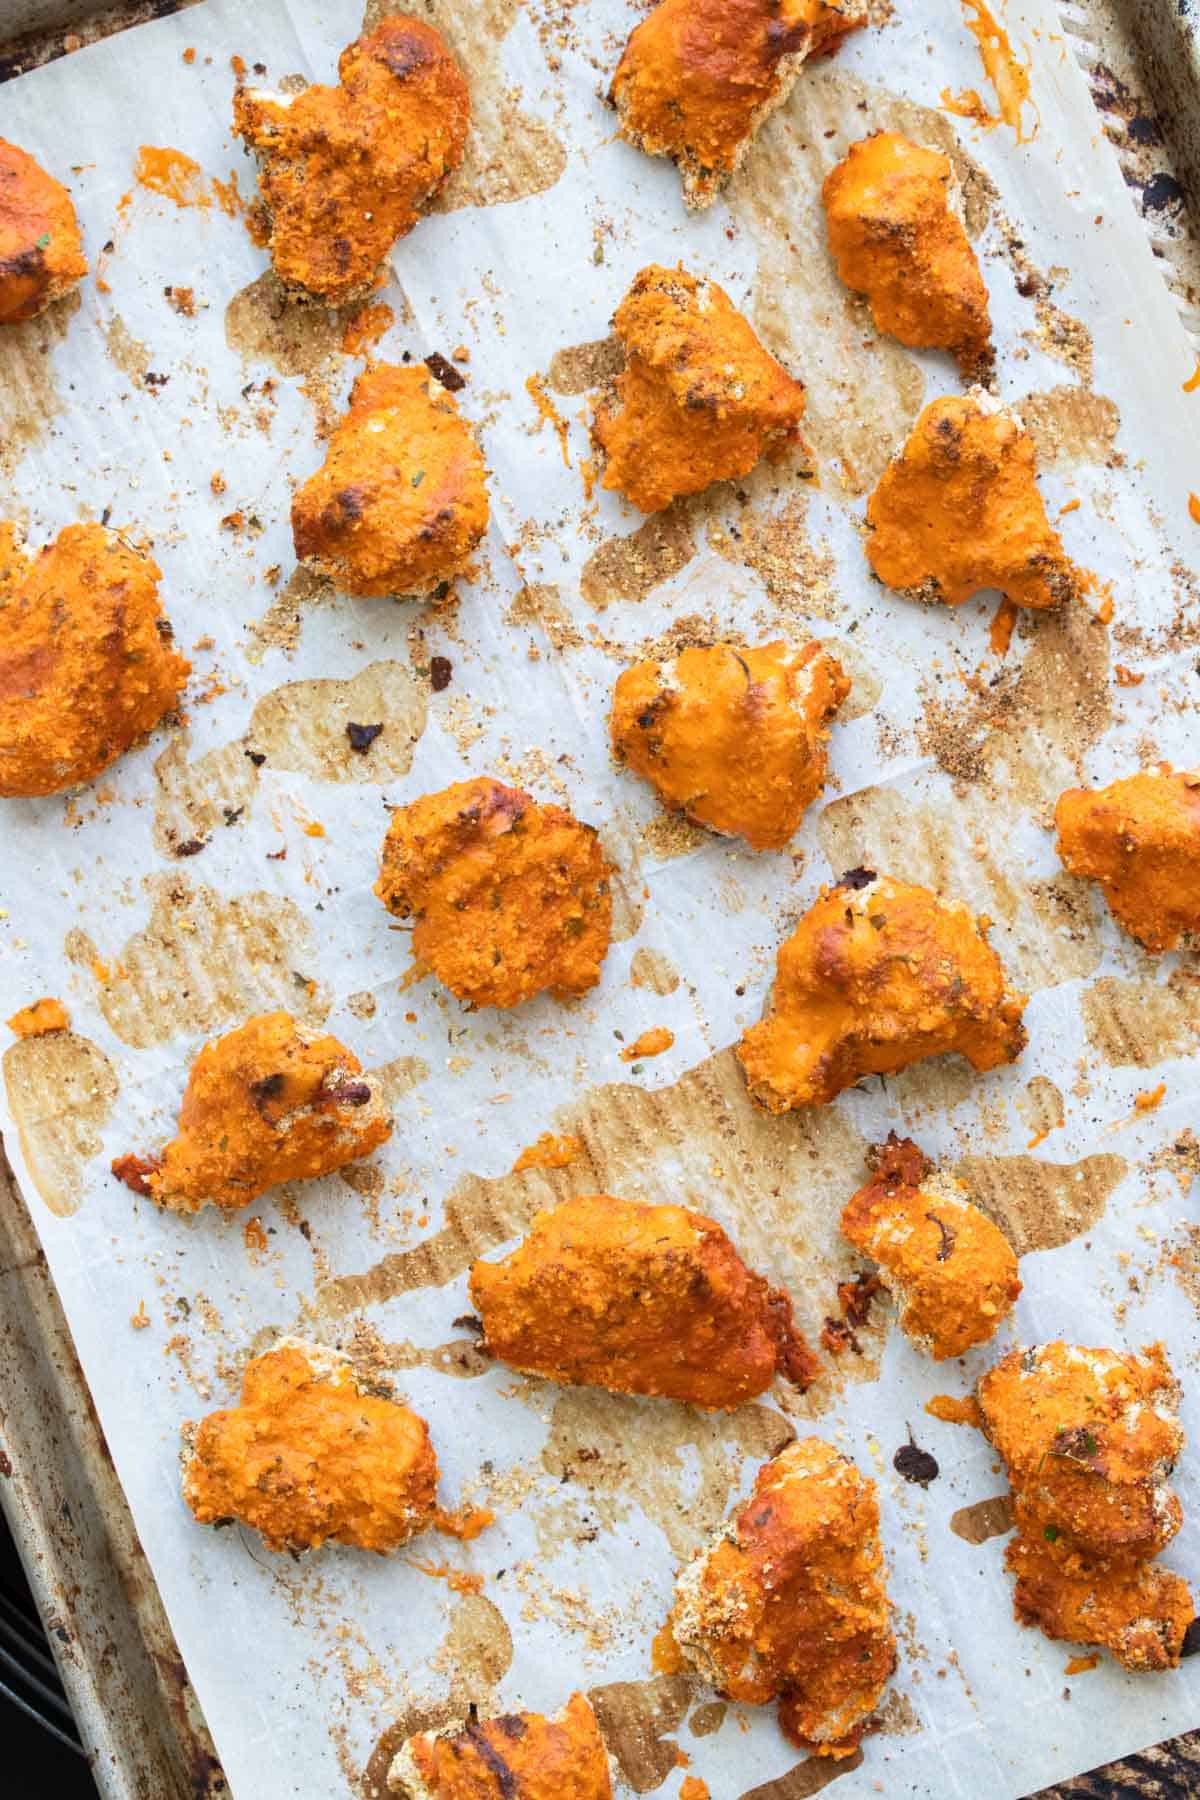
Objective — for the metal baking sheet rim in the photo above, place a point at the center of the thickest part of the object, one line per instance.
(138, 1717)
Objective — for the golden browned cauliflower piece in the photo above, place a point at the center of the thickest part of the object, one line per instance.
(509, 896)
(41, 251)
(638, 1299)
(878, 974)
(518, 1756)
(401, 501)
(789, 1602)
(1140, 839)
(699, 399)
(309, 1455)
(952, 1272)
(733, 737)
(264, 1104)
(959, 509)
(1090, 1437)
(698, 77)
(87, 662)
(896, 238)
(346, 171)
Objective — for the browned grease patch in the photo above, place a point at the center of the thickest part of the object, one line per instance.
(651, 969)
(776, 1185)
(540, 603)
(1041, 1205)
(629, 568)
(1070, 425)
(60, 1089)
(302, 727)
(195, 799)
(477, 1650)
(806, 1778)
(579, 367)
(774, 544)
(281, 624)
(1137, 1024)
(983, 1520)
(635, 1718)
(29, 399)
(202, 960)
(419, 1716)
(266, 322)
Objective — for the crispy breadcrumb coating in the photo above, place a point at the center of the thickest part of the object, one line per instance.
(1140, 839)
(1090, 1437)
(345, 171)
(878, 974)
(308, 1455)
(698, 77)
(699, 400)
(517, 1756)
(509, 896)
(732, 736)
(87, 662)
(789, 1602)
(41, 251)
(638, 1299)
(401, 501)
(264, 1104)
(952, 1272)
(896, 238)
(959, 509)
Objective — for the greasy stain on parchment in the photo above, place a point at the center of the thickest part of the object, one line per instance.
(652, 970)
(576, 368)
(681, 1466)
(266, 322)
(510, 154)
(631, 567)
(281, 624)
(60, 1090)
(1136, 1024)
(635, 1718)
(1044, 930)
(202, 960)
(1041, 1205)
(1041, 1106)
(29, 399)
(776, 1185)
(984, 1519)
(540, 603)
(773, 542)
(1070, 425)
(805, 1779)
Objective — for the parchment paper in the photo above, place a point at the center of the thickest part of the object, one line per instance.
(945, 771)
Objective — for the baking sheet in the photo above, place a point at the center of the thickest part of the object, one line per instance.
(308, 1672)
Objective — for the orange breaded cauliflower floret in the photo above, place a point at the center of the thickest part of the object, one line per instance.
(790, 1602)
(308, 1455)
(401, 501)
(1090, 1437)
(509, 896)
(87, 662)
(896, 238)
(959, 509)
(952, 1272)
(518, 1756)
(264, 1104)
(698, 77)
(1140, 839)
(346, 171)
(878, 974)
(41, 251)
(699, 400)
(734, 737)
(638, 1299)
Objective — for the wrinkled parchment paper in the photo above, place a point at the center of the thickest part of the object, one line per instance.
(945, 770)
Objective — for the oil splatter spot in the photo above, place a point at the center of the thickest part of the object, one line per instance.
(635, 1718)
(194, 799)
(1137, 1024)
(61, 1090)
(581, 367)
(477, 1651)
(652, 970)
(1041, 1205)
(399, 1077)
(29, 399)
(1070, 425)
(302, 727)
(983, 1520)
(806, 1778)
(631, 567)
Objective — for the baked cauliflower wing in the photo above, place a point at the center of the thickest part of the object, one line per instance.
(953, 1273)
(1140, 839)
(87, 661)
(896, 238)
(789, 1602)
(699, 399)
(517, 1756)
(346, 171)
(638, 1299)
(698, 77)
(510, 897)
(41, 251)
(264, 1104)
(958, 509)
(308, 1455)
(401, 500)
(878, 974)
(731, 736)
(1090, 1437)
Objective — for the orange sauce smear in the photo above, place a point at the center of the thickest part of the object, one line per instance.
(1193, 380)
(1006, 71)
(459, 1581)
(1152, 1098)
(365, 328)
(549, 1152)
(1194, 507)
(535, 387)
(37, 1020)
(1003, 620)
(1079, 1665)
(954, 1411)
(651, 1043)
(666, 1658)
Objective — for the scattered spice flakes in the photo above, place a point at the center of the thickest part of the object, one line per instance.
(445, 372)
(254, 1237)
(44, 1016)
(651, 1043)
(440, 671)
(217, 482)
(362, 736)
